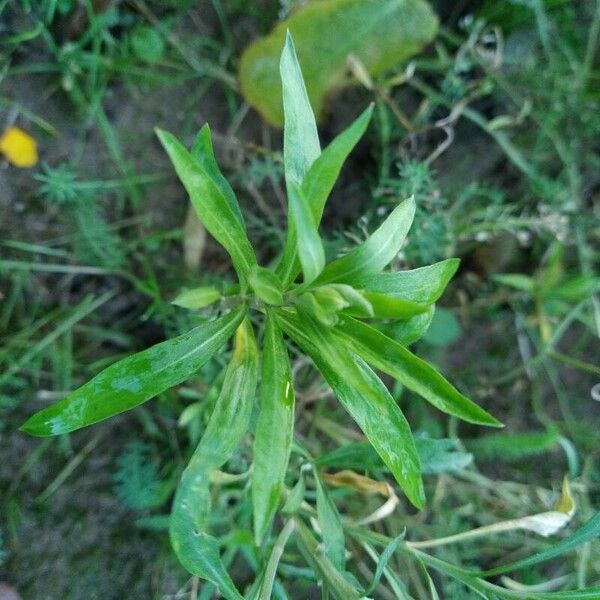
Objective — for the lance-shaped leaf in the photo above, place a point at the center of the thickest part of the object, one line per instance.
(203, 152)
(135, 379)
(330, 522)
(211, 205)
(318, 183)
(300, 137)
(309, 245)
(197, 297)
(376, 252)
(365, 397)
(413, 372)
(274, 429)
(195, 548)
(424, 285)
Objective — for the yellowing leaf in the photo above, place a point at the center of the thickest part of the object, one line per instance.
(19, 147)
(349, 478)
(379, 33)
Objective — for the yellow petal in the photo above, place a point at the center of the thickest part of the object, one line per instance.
(19, 147)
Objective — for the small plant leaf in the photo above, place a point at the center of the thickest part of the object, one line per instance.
(382, 563)
(518, 281)
(413, 372)
(196, 549)
(375, 253)
(330, 522)
(512, 447)
(381, 33)
(424, 285)
(202, 151)
(274, 429)
(266, 285)
(135, 379)
(310, 247)
(301, 144)
(211, 205)
(196, 297)
(365, 397)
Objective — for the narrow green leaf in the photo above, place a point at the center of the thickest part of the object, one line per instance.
(384, 559)
(413, 372)
(266, 285)
(135, 379)
(389, 307)
(196, 549)
(274, 429)
(296, 496)
(318, 183)
(487, 590)
(332, 532)
(211, 205)
(267, 579)
(322, 566)
(310, 247)
(365, 397)
(518, 281)
(197, 297)
(376, 252)
(202, 151)
(513, 447)
(300, 137)
(587, 532)
(325, 170)
(424, 285)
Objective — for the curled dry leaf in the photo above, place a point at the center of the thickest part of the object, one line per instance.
(349, 478)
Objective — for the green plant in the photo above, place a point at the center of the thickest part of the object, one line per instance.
(325, 315)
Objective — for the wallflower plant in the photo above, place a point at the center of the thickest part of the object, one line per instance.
(338, 314)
